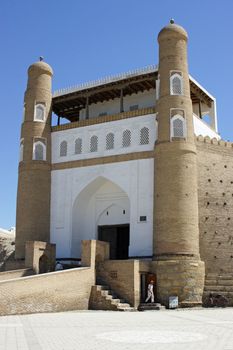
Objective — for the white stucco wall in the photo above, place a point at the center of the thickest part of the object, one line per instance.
(202, 128)
(101, 130)
(142, 99)
(117, 128)
(124, 185)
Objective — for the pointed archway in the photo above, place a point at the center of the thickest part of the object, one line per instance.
(101, 203)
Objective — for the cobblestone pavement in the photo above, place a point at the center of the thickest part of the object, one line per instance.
(201, 329)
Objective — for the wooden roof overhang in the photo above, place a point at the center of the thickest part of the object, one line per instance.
(69, 104)
(198, 95)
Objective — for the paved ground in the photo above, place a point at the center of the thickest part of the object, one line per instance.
(202, 329)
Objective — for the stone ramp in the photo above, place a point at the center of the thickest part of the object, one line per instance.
(64, 290)
(103, 298)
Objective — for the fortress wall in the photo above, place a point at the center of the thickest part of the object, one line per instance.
(51, 292)
(215, 196)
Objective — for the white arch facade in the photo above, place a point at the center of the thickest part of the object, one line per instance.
(81, 198)
(100, 203)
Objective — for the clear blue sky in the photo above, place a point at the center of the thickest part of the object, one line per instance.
(87, 39)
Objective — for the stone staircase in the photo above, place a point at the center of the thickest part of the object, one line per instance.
(219, 284)
(102, 298)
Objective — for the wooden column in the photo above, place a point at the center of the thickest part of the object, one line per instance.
(87, 107)
(121, 102)
(200, 111)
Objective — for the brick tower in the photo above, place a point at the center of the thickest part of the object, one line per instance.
(180, 272)
(34, 179)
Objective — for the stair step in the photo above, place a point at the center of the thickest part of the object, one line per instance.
(150, 306)
(113, 302)
(215, 276)
(219, 288)
(105, 293)
(122, 305)
(129, 309)
(223, 293)
(101, 287)
(116, 301)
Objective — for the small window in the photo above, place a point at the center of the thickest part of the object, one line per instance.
(176, 84)
(178, 128)
(78, 146)
(156, 130)
(110, 141)
(21, 150)
(94, 144)
(133, 108)
(39, 151)
(39, 114)
(63, 149)
(102, 114)
(24, 111)
(157, 86)
(144, 136)
(126, 139)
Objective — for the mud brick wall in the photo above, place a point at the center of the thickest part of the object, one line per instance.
(52, 292)
(215, 192)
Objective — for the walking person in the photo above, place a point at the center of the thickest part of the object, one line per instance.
(150, 292)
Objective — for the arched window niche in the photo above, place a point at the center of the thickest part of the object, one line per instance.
(39, 151)
(78, 146)
(63, 149)
(178, 126)
(126, 138)
(157, 88)
(94, 143)
(176, 83)
(21, 150)
(110, 141)
(39, 113)
(144, 136)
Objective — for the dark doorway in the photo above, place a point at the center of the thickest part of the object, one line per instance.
(43, 264)
(118, 237)
(146, 278)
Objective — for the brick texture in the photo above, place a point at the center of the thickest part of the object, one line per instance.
(56, 291)
(215, 196)
(122, 277)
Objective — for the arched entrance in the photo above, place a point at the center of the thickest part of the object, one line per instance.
(102, 211)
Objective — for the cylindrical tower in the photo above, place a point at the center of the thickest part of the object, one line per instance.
(34, 179)
(176, 234)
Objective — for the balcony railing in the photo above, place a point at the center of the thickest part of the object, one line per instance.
(105, 119)
(109, 79)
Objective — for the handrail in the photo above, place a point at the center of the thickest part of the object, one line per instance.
(105, 80)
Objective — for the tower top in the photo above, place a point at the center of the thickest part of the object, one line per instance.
(172, 30)
(40, 67)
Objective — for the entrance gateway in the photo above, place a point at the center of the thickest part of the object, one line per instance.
(118, 238)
